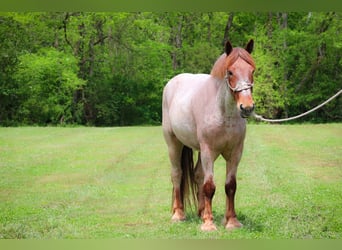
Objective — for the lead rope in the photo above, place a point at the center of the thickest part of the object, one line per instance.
(260, 118)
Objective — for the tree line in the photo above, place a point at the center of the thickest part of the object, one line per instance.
(109, 69)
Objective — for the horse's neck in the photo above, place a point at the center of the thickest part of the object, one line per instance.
(225, 101)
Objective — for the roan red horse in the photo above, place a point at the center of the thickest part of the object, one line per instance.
(207, 113)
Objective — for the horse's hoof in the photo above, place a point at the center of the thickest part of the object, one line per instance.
(178, 216)
(233, 223)
(208, 226)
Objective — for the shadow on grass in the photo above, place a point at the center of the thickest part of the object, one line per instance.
(249, 223)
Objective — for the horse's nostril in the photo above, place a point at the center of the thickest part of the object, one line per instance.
(247, 109)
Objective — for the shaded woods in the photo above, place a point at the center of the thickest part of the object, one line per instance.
(109, 69)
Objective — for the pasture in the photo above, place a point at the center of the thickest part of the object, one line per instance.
(100, 183)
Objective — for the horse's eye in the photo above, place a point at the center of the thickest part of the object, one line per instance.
(230, 73)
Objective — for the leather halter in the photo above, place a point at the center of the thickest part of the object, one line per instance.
(240, 86)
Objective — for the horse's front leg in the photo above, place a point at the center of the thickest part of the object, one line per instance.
(230, 219)
(207, 190)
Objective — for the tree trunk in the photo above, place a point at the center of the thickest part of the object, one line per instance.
(210, 17)
(270, 25)
(177, 42)
(284, 27)
(228, 27)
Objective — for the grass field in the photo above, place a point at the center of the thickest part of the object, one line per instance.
(115, 183)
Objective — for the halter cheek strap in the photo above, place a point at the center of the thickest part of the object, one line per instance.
(240, 86)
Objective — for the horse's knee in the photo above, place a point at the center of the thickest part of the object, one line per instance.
(209, 188)
(230, 187)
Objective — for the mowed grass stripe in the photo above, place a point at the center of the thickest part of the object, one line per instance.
(115, 183)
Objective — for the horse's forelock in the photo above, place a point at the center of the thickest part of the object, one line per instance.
(245, 56)
(223, 62)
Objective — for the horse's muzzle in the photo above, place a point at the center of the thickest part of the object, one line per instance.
(246, 112)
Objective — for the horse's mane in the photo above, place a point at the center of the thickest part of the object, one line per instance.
(223, 62)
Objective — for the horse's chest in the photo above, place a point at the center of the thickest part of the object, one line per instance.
(223, 131)
(224, 123)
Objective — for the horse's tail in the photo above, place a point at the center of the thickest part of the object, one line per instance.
(188, 185)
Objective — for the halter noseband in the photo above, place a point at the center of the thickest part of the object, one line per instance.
(240, 86)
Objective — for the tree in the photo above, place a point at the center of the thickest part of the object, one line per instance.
(46, 82)
(108, 69)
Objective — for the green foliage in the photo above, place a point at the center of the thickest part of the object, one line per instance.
(108, 69)
(46, 83)
(199, 58)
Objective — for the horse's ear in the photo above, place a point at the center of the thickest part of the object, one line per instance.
(249, 46)
(228, 47)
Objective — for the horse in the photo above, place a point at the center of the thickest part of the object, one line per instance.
(207, 113)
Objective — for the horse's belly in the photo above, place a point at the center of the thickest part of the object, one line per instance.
(185, 132)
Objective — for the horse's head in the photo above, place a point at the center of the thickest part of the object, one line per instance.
(239, 76)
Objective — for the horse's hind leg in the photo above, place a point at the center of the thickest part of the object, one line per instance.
(175, 153)
(199, 177)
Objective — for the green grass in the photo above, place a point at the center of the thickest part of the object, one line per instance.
(115, 183)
